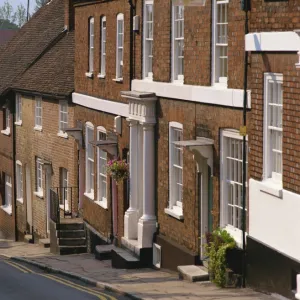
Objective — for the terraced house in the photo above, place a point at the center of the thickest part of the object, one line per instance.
(160, 85)
(37, 79)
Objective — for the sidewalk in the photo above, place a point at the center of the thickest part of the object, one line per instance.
(145, 284)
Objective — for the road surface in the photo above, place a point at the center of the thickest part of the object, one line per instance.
(22, 282)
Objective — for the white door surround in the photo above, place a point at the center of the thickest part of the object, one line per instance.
(48, 173)
(140, 218)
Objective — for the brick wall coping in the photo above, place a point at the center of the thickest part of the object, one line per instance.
(202, 94)
(268, 41)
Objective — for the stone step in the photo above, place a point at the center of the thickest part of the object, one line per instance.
(65, 250)
(28, 238)
(72, 241)
(103, 252)
(122, 259)
(70, 226)
(71, 233)
(193, 273)
(44, 243)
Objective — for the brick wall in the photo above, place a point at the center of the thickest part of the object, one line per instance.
(274, 16)
(285, 64)
(213, 119)
(94, 214)
(7, 222)
(105, 88)
(47, 145)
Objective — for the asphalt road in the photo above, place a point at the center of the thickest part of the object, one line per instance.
(22, 282)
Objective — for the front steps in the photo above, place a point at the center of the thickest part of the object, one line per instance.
(71, 237)
(120, 258)
(193, 273)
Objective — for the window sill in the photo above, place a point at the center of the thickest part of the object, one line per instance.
(89, 195)
(62, 134)
(18, 123)
(7, 209)
(175, 212)
(101, 76)
(6, 131)
(120, 80)
(89, 74)
(38, 128)
(270, 187)
(20, 200)
(237, 235)
(102, 204)
(220, 86)
(39, 194)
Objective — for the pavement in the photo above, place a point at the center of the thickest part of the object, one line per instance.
(145, 284)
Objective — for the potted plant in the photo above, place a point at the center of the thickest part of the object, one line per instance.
(219, 244)
(118, 169)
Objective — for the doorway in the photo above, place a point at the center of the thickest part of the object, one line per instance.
(203, 198)
(28, 200)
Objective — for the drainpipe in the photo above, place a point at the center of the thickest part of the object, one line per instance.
(244, 265)
(132, 13)
(14, 168)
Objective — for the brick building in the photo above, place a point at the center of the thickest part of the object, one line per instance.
(42, 155)
(179, 115)
(273, 243)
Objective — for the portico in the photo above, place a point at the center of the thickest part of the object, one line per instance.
(140, 218)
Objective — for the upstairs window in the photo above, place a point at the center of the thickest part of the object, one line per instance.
(18, 109)
(120, 50)
(103, 47)
(102, 177)
(89, 153)
(8, 194)
(273, 105)
(6, 121)
(178, 43)
(91, 45)
(175, 171)
(38, 112)
(221, 42)
(63, 116)
(148, 39)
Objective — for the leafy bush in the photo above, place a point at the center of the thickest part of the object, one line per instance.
(218, 243)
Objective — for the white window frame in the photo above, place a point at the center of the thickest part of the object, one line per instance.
(39, 177)
(268, 165)
(63, 118)
(18, 110)
(91, 47)
(64, 177)
(235, 183)
(217, 80)
(101, 169)
(38, 119)
(89, 162)
(120, 48)
(176, 40)
(7, 207)
(148, 42)
(19, 178)
(175, 208)
(103, 47)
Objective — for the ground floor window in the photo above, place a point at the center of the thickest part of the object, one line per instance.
(232, 182)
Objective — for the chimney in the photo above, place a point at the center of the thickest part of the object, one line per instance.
(69, 15)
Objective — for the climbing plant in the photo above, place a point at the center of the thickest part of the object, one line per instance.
(218, 243)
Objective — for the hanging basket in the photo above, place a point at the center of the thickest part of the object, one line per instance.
(117, 169)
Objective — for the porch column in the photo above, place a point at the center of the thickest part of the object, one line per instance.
(147, 223)
(131, 215)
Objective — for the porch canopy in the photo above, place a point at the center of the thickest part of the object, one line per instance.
(200, 146)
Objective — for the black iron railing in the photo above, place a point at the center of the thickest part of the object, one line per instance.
(62, 204)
